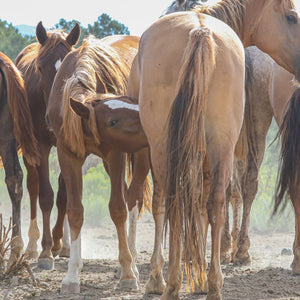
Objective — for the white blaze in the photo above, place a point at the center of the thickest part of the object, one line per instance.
(115, 104)
(57, 64)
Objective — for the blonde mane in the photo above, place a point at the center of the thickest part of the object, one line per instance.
(94, 57)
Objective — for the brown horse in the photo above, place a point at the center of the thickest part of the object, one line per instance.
(16, 127)
(97, 67)
(196, 143)
(39, 63)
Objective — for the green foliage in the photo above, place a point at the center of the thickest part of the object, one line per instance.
(11, 41)
(104, 26)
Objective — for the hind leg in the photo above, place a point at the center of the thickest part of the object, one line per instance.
(13, 180)
(33, 191)
(118, 211)
(135, 197)
(46, 195)
(61, 229)
(221, 162)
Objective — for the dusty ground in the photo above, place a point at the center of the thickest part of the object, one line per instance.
(268, 277)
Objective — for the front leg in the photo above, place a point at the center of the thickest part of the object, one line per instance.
(13, 180)
(70, 166)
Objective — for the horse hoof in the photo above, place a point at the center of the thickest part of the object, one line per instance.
(155, 285)
(242, 259)
(46, 263)
(225, 258)
(70, 288)
(129, 284)
(65, 252)
(170, 294)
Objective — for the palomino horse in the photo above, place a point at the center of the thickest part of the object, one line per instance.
(38, 63)
(249, 153)
(15, 127)
(195, 145)
(97, 67)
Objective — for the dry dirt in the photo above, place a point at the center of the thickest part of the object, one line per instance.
(268, 276)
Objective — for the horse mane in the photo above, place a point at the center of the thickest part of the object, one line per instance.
(94, 57)
(19, 108)
(230, 12)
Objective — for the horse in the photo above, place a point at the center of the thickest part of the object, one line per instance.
(261, 103)
(192, 138)
(38, 64)
(16, 131)
(97, 67)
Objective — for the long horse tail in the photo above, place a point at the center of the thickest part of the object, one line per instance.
(288, 179)
(186, 148)
(19, 108)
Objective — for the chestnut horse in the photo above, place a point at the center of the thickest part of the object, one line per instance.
(97, 67)
(38, 63)
(192, 138)
(15, 130)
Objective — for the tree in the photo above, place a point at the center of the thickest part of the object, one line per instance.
(105, 26)
(11, 41)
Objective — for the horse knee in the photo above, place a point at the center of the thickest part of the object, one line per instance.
(118, 212)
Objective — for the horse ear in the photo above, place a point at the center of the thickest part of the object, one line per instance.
(41, 33)
(80, 109)
(73, 36)
(100, 85)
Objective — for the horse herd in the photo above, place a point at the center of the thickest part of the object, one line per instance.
(186, 101)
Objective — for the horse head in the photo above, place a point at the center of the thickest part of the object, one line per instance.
(53, 47)
(112, 120)
(274, 27)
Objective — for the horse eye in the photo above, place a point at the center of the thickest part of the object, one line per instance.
(113, 123)
(291, 19)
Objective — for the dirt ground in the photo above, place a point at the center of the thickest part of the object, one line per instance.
(268, 276)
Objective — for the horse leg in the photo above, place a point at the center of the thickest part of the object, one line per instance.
(70, 166)
(221, 162)
(296, 247)
(250, 185)
(33, 191)
(236, 202)
(13, 180)
(61, 228)
(134, 199)
(118, 213)
(226, 237)
(46, 195)
(156, 283)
